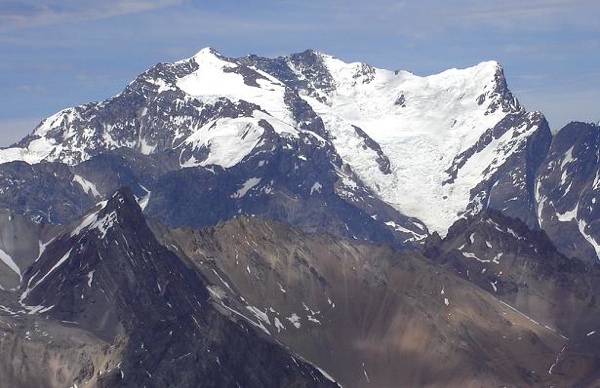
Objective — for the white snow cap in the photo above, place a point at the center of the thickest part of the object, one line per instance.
(421, 124)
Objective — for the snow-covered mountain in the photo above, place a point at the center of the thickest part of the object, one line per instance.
(436, 137)
(295, 135)
(431, 147)
(384, 226)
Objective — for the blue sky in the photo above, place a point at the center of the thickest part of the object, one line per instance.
(61, 53)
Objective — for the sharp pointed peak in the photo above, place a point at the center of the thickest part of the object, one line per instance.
(309, 53)
(207, 51)
(120, 200)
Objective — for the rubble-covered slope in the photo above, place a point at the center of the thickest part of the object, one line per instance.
(108, 277)
(368, 314)
(523, 268)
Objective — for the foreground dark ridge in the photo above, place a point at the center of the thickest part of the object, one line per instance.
(143, 315)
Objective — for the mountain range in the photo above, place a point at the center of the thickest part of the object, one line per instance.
(300, 221)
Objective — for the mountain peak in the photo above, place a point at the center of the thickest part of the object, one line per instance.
(123, 196)
(308, 53)
(206, 52)
(478, 75)
(491, 64)
(492, 68)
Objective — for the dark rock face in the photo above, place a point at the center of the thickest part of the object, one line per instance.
(514, 191)
(314, 76)
(382, 159)
(295, 181)
(19, 245)
(124, 167)
(57, 193)
(365, 313)
(568, 190)
(500, 96)
(523, 268)
(509, 185)
(109, 275)
(43, 192)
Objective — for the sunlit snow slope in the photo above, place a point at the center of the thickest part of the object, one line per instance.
(422, 125)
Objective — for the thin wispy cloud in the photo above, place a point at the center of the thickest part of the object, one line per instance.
(533, 15)
(27, 13)
(83, 50)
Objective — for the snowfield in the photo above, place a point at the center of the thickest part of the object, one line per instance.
(421, 124)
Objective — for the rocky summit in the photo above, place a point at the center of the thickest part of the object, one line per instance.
(300, 221)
